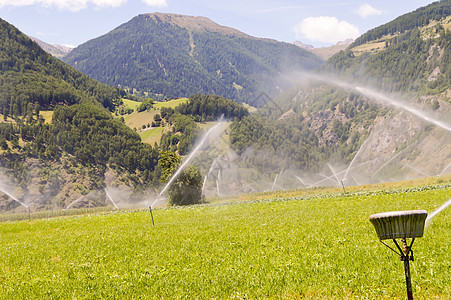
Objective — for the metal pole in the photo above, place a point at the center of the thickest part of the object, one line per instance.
(343, 187)
(150, 208)
(406, 259)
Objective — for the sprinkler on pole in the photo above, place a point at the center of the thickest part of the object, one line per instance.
(151, 215)
(343, 187)
(401, 225)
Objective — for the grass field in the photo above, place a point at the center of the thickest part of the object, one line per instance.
(308, 247)
(170, 103)
(47, 115)
(152, 135)
(138, 119)
(131, 104)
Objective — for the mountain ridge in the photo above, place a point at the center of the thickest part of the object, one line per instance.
(55, 50)
(152, 54)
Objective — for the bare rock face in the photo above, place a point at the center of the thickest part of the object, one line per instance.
(57, 51)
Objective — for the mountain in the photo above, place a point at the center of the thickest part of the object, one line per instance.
(75, 147)
(303, 46)
(55, 50)
(325, 52)
(169, 55)
(374, 103)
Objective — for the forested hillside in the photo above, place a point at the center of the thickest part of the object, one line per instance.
(29, 74)
(320, 121)
(165, 55)
(81, 150)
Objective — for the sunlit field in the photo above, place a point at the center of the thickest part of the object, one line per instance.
(317, 247)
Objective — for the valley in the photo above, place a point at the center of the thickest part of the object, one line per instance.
(176, 157)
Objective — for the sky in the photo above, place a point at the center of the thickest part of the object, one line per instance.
(320, 23)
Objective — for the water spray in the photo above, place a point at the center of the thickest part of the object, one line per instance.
(74, 202)
(189, 158)
(438, 176)
(354, 158)
(17, 200)
(413, 110)
(437, 211)
(385, 99)
(111, 199)
(415, 169)
(401, 225)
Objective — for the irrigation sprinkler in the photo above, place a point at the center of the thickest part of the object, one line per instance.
(343, 187)
(401, 225)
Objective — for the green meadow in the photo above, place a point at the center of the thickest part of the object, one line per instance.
(320, 246)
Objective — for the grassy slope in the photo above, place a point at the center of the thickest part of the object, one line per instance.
(320, 248)
(427, 31)
(138, 119)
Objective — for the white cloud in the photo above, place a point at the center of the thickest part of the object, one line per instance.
(158, 3)
(325, 29)
(71, 5)
(366, 10)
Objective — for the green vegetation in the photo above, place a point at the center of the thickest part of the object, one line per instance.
(405, 65)
(30, 75)
(199, 108)
(421, 17)
(171, 103)
(58, 138)
(321, 247)
(210, 108)
(187, 187)
(157, 57)
(311, 124)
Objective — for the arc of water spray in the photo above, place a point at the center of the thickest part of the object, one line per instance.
(74, 202)
(384, 165)
(385, 99)
(333, 172)
(217, 182)
(111, 199)
(275, 180)
(437, 211)
(299, 178)
(14, 198)
(415, 169)
(185, 163)
(208, 174)
(333, 176)
(444, 170)
(355, 156)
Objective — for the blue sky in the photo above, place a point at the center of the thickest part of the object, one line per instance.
(318, 22)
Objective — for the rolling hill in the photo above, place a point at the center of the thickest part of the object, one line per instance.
(168, 55)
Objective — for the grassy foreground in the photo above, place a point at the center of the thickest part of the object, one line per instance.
(322, 247)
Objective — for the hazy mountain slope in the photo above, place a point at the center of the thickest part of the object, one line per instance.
(175, 55)
(58, 51)
(325, 52)
(327, 119)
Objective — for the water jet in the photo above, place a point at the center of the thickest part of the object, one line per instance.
(188, 159)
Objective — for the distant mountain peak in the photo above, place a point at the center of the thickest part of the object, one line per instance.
(303, 46)
(53, 49)
(193, 23)
(345, 42)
